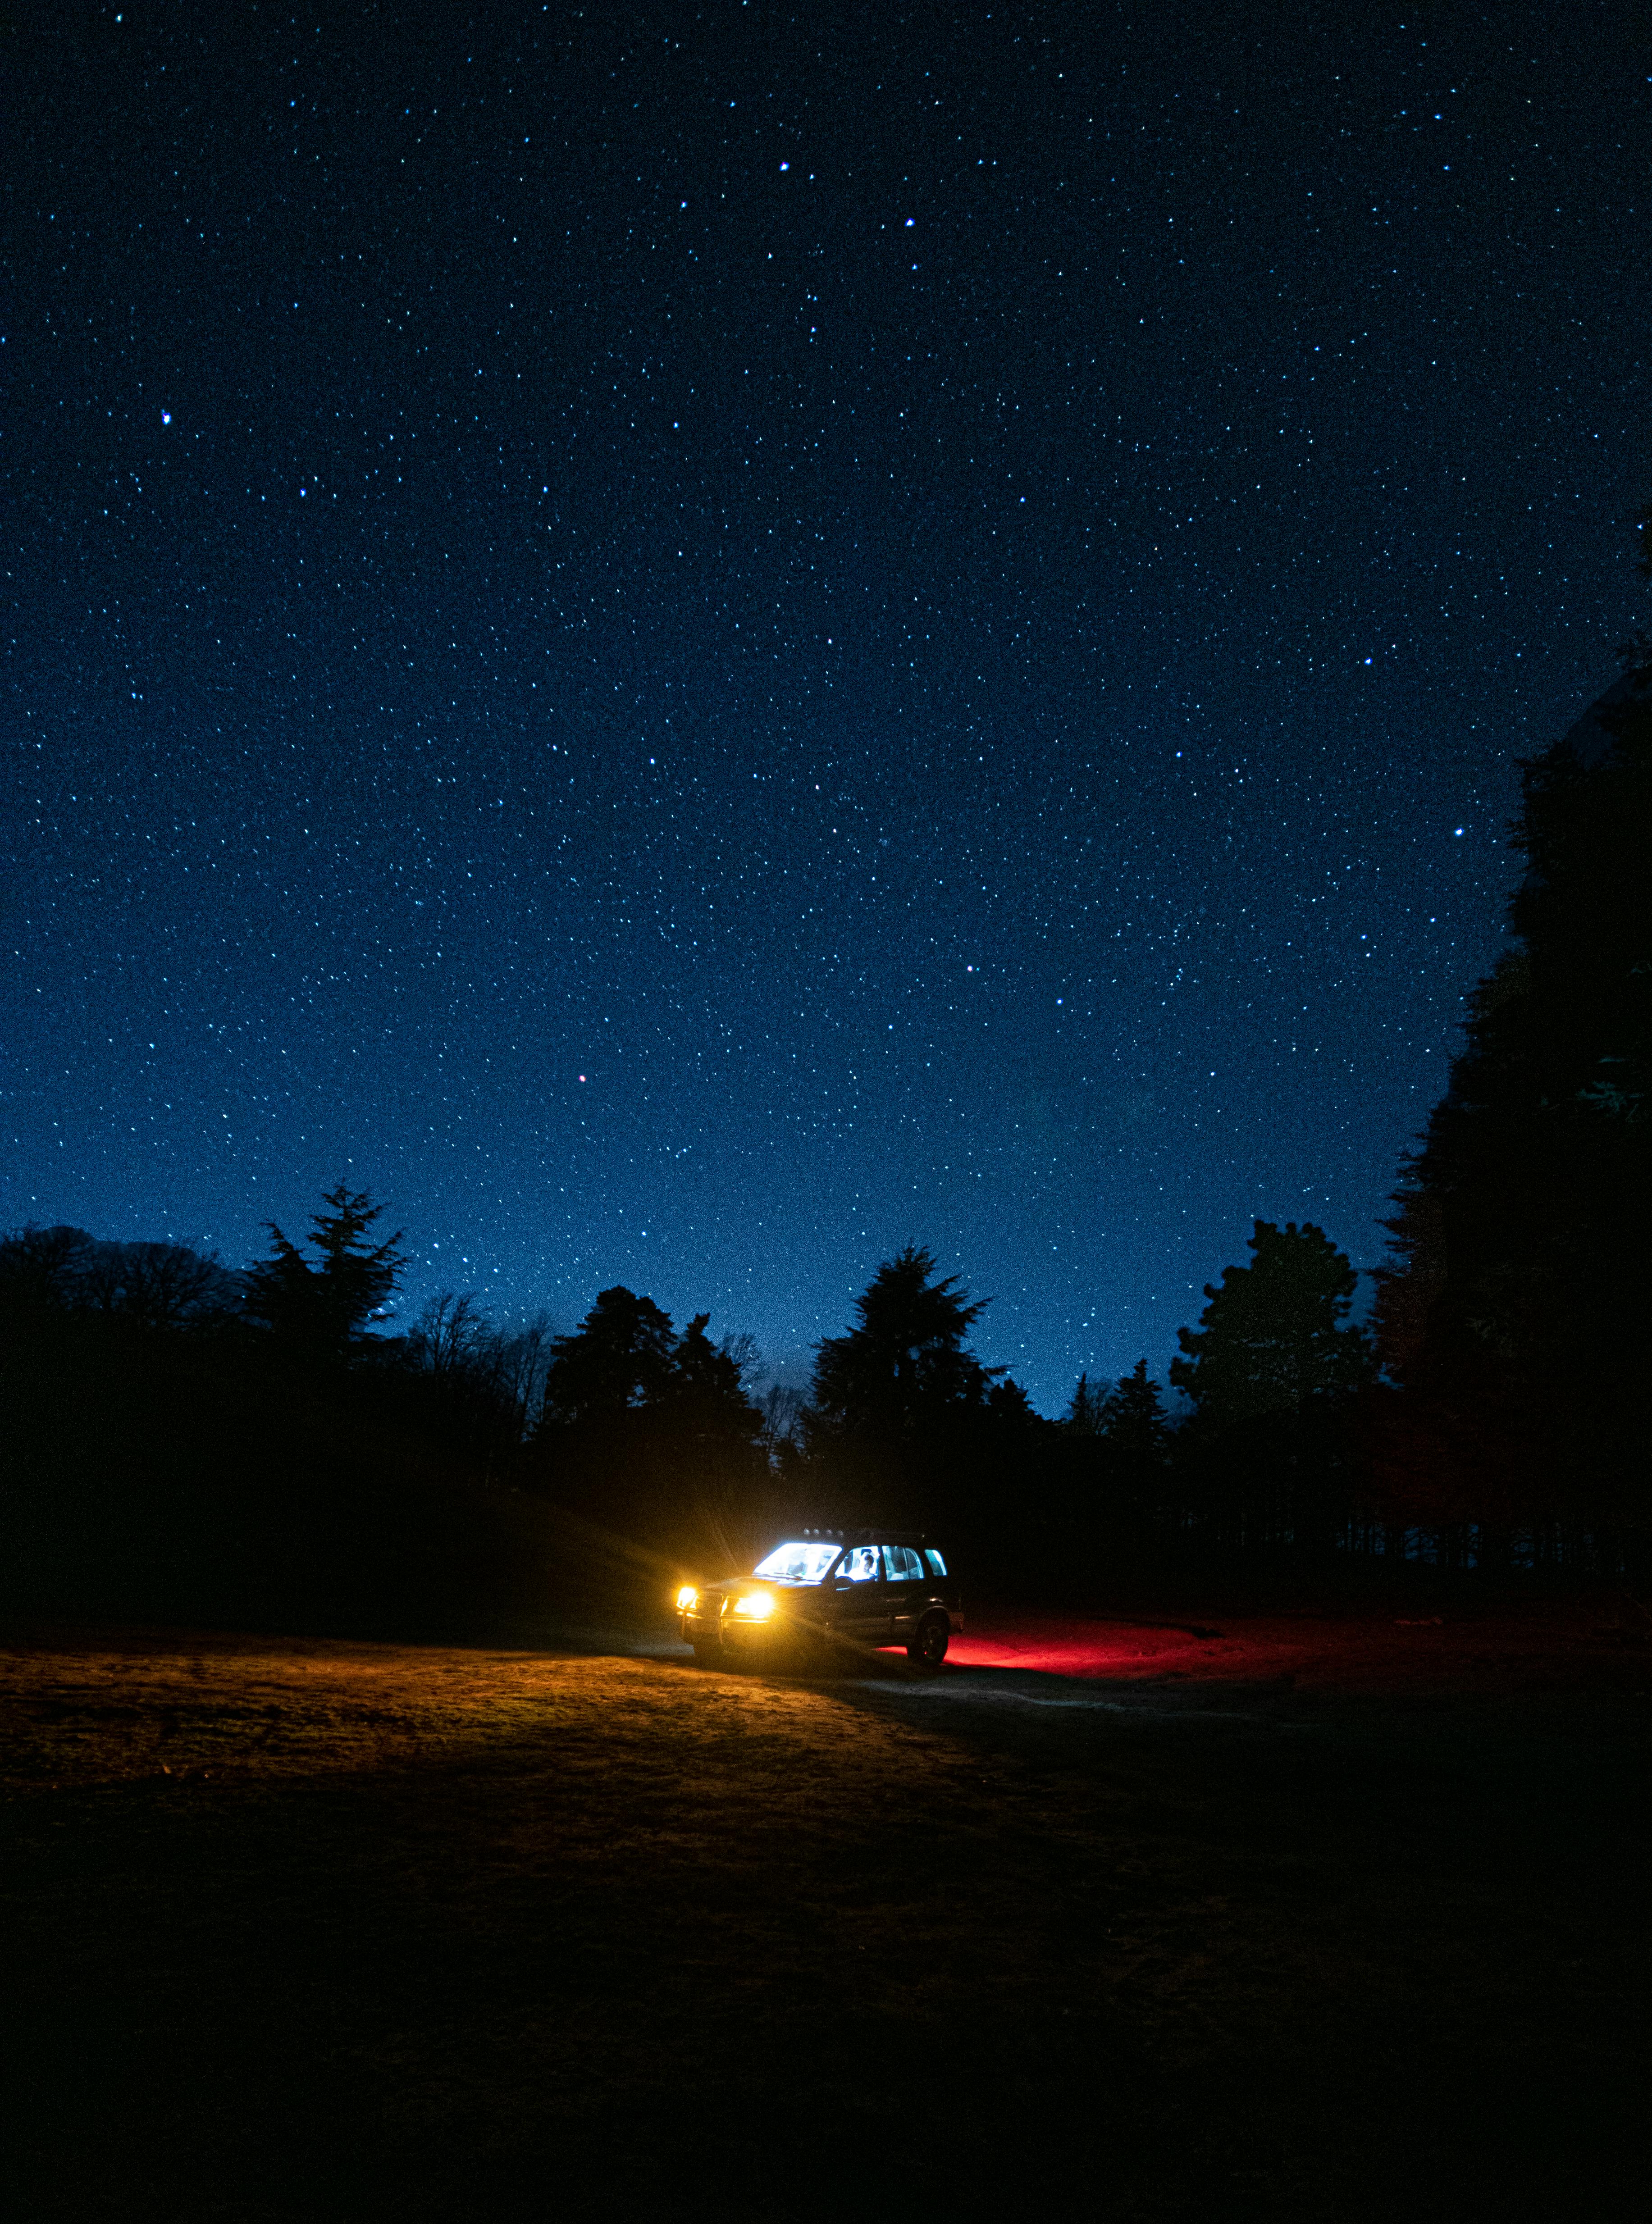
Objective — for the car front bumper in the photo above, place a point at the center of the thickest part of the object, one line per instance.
(732, 1632)
(736, 1635)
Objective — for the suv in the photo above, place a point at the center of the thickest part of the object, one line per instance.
(828, 1588)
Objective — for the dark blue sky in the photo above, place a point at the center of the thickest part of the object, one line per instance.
(697, 643)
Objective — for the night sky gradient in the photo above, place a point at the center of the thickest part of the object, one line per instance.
(696, 642)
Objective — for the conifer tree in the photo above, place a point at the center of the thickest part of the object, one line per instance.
(1083, 1415)
(1275, 1334)
(619, 1358)
(903, 1423)
(705, 1393)
(325, 1308)
(1514, 1318)
(1131, 1419)
(904, 1361)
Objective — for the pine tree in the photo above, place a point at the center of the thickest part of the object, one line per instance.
(1131, 1419)
(1126, 1447)
(717, 1491)
(901, 1424)
(1514, 1318)
(704, 1393)
(904, 1361)
(651, 1435)
(325, 1308)
(1275, 1335)
(619, 1358)
(1083, 1416)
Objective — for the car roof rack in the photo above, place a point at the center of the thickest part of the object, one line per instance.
(874, 1536)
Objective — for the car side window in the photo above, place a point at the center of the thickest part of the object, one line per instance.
(902, 1565)
(938, 1565)
(859, 1564)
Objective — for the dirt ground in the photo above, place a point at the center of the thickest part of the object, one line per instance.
(1287, 1920)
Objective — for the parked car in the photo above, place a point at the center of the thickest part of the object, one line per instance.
(825, 1591)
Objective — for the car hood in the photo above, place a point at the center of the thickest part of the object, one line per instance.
(731, 1586)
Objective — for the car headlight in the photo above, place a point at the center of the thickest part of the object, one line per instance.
(756, 1606)
(686, 1596)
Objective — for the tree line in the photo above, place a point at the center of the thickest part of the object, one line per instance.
(176, 1430)
(173, 1424)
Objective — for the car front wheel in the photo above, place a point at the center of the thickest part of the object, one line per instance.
(708, 1655)
(929, 1641)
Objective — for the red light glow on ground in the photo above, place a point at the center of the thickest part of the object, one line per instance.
(1115, 1649)
(1544, 1645)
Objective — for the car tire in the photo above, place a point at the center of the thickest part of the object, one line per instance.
(708, 1655)
(927, 1646)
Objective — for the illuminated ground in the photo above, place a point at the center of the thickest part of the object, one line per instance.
(1200, 1926)
(1595, 1647)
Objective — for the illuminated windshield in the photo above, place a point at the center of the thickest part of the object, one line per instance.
(798, 1564)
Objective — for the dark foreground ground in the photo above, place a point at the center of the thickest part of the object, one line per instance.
(1292, 1920)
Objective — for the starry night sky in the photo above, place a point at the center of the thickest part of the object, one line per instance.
(696, 642)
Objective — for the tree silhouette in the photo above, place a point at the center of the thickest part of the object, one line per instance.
(904, 1361)
(901, 1422)
(782, 1408)
(1111, 1461)
(450, 1335)
(742, 1349)
(159, 1285)
(619, 1358)
(651, 1434)
(1514, 1317)
(325, 1309)
(41, 1270)
(704, 1393)
(153, 1285)
(1274, 1334)
(1273, 1370)
(1083, 1415)
(1131, 1419)
(486, 1383)
(1008, 1405)
(717, 1483)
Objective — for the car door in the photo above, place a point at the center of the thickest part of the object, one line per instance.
(939, 1590)
(903, 1583)
(860, 1598)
